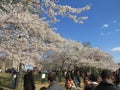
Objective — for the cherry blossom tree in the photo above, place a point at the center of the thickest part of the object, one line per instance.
(22, 33)
(73, 54)
(25, 33)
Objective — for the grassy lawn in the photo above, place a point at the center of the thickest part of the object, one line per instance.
(6, 82)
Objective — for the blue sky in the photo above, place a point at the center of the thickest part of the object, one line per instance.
(101, 29)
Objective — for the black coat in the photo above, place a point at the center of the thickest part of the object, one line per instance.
(29, 82)
(104, 85)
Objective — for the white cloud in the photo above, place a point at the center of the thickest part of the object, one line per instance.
(116, 49)
(105, 26)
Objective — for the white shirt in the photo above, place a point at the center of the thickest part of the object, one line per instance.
(43, 75)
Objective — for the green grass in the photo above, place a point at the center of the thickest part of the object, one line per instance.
(5, 81)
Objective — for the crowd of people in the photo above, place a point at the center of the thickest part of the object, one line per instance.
(74, 79)
(104, 80)
(29, 83)
(94, 80)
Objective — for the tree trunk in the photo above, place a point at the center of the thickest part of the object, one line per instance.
(3, 66)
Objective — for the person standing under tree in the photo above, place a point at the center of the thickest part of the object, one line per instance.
(14, 79)
(43, 78)
(29, 81)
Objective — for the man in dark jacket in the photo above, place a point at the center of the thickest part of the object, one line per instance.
(53, 84)
(29, 81)
(107, 83)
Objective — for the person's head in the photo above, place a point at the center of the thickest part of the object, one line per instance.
(28, 70)
(43, 88)
(52, 76)
(94, 76)
(107, 75)
(68, 78)
(119, 70)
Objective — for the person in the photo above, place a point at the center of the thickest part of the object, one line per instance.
(53, 84)
(117, 77)
(43, 77)
(65, 73)
(29, 81)
(76, 79)
(87, 82)
(107, 81)
(43, 88)
(70, 84)
(94, 80)
(0, 70)
(14, 79)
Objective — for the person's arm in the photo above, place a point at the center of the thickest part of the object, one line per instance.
(24, 80)
(32, 82)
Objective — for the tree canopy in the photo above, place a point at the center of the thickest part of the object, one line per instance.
(28, 36)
